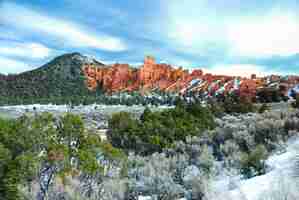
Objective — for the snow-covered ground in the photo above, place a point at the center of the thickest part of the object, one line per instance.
(276, 184)
(16, 111)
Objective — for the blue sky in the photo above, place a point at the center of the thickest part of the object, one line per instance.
(221, 36)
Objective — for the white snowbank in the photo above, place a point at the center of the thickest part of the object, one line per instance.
(75, 109)
(259, 186)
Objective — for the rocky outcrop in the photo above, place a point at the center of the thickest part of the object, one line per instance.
(121, 77)
(111, 78)
(152, 76)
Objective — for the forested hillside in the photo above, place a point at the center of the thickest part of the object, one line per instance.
(60, 81)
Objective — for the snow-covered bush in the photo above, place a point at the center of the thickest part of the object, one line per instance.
(237, 136)
(115, 189)
(155, 175)
(186, 170)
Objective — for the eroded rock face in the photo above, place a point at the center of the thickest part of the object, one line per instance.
(164, 77)
(120, 77)
(111, 78)
(248, 89)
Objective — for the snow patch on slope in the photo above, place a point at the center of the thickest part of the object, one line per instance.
(279, 176)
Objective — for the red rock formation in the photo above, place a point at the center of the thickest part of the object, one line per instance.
(248, 89)
(122, 77)
(111, 78)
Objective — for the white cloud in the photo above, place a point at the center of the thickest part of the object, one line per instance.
(27, 50)
(244, 70)
(10, 66)
(191, 33)
(177, 62)
(195, 27)
(66, 32)
(182, 63)
(189, 28)
(276, 34)
(135, 64)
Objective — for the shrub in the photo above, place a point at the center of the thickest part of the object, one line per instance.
(42, 148)
(296, 103)
(206, 160)
(267, 95)
(264, 107)
(234, 104)
(253, 163)
(158, 130)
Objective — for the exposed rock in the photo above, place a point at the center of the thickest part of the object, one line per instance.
(164, 77)
(121, 77)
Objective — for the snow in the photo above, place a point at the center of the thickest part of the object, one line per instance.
(150, 198)
(144, 198)
(280, 165)
(195, 81)
(105, 110)
(294, 89)
(63, 108)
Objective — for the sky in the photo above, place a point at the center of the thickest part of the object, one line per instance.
(231, 37)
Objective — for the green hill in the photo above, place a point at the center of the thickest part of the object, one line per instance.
(59, 81)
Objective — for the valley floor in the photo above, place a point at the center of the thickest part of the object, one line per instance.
(156, 173)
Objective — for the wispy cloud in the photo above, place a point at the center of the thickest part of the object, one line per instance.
(244, 70)
(68, 33)
(275, 34)
(11, 66)
(196, 27)
(25, 50)
(225, 36)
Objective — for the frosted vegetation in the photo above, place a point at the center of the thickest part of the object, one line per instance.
(104, 110)
(249, 156)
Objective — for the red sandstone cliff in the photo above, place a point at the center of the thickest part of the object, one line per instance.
(150, 76)
(120, 77)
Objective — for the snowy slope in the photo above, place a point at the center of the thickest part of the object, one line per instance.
(278, 181)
